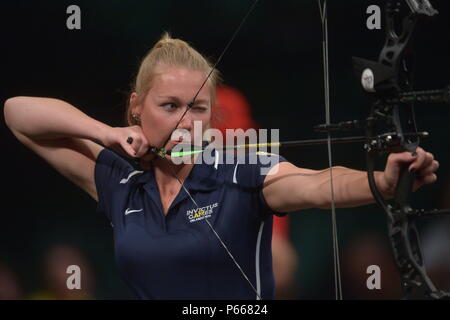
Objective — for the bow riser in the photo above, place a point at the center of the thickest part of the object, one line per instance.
(389, 113)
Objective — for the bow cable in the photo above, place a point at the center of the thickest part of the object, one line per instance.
(324, 22)
(161, 152)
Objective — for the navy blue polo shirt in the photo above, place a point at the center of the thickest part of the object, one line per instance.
(177, 256)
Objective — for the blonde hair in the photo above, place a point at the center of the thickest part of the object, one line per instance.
(169, 52)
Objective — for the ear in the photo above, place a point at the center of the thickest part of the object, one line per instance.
(135, 107)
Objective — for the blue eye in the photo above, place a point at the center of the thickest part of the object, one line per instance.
(169, 105)
(200, 109)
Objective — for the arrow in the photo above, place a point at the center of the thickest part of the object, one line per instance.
(295, 143)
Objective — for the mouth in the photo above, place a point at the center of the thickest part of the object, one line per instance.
(186, 148)
(173, 143)
(167, 148)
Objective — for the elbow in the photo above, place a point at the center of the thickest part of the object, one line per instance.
(10, 110)
(7, 106)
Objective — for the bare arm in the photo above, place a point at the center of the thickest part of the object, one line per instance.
(293, 188)
(60, 134)
(47, 118)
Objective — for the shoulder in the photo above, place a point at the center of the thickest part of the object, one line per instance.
(109, 158)
(249, 169)
(112, 167)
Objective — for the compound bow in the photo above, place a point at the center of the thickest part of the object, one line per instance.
(390, 127)
(389, 80)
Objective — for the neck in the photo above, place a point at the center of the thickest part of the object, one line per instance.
(165, 172)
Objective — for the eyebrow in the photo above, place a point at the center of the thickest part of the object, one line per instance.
(200, 101)
(197, 101)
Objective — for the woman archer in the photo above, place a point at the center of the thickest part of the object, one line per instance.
(164, 248)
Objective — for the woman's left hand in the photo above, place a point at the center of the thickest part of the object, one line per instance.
(423, 163)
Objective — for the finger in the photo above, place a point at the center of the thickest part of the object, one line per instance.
(428, 179)
(396, 160)
(403, 156)
(131, 145)
(143, 148)
(419, 159)
(427, 160)
(142, 145)
(429, 157)
(129, 150)
(431, 168)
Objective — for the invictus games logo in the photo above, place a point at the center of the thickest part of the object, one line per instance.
(198, 214)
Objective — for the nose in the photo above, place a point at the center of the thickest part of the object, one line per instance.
(187, 122)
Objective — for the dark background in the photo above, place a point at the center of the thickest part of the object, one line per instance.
(276, 61)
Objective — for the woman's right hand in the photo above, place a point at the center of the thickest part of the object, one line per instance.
(117, 139)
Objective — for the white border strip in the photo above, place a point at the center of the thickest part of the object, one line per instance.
(258, 247)
(216, 161)
(124, 181)
(234, 174)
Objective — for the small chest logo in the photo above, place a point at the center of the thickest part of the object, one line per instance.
(128, 211)
(198, 214)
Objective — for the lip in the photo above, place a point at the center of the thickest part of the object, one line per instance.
(174, 143)
(171, 144)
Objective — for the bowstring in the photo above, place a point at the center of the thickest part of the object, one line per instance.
(324, 23)
(188, 107)
(190, 104)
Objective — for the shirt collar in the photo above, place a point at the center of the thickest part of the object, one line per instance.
(203, 177)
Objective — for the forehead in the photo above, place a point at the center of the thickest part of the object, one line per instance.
(181, 82)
